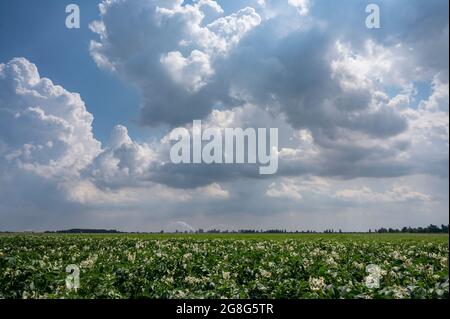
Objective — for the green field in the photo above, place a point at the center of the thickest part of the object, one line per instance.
(225, 266)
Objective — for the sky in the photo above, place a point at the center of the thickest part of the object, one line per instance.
(86, 114)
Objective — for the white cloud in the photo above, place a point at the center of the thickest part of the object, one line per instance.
(294, 187)
(301, 5)
(123, 162)
(192, 72)
(364, 69)
(439, 99)
(177, 28)
(284, 189)
(46, 142)
(396, 194)
(44, 129)
(86, 193)
(229, 30)
(215, 190)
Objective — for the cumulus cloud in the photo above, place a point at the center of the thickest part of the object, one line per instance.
(170, 50)
(52, 167)
(438, 100)
(122, 163)
(187, 67)
(201, 60)
(192, 72)
(349, 104)
(45, 141)
(43, 128)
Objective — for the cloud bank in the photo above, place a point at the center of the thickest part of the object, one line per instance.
(362, 143)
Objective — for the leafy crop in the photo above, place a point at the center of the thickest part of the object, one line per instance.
(127, 266)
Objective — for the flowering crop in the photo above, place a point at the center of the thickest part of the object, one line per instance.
(233, 266)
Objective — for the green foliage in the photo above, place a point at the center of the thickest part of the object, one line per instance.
(224, 266)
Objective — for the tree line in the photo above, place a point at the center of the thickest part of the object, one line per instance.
(413, 230)
(431, 229)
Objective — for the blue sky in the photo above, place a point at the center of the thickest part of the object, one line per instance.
(362, 113)
(36, 30)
